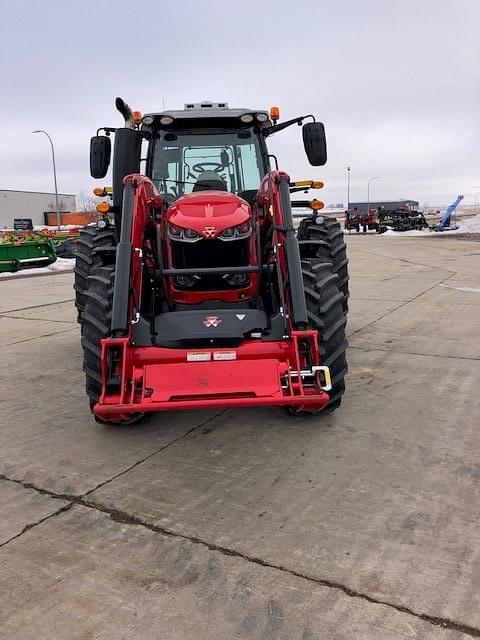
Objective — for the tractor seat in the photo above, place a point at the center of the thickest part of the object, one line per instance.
(209, 181)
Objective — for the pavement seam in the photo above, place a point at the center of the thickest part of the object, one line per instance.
(124, 517)
(31, 525)
(23, 276)
(400, 306)
(413, 353)
(417, 264)
(8, 315)
(44, 335)
(39, 306)
(156, 452)
(80, 499)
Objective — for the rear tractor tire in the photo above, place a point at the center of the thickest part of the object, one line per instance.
(96, 321)
(322, 239)
(326, 315)
(87, 260)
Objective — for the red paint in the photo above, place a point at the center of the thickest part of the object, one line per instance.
(161, 379)
(208, 212)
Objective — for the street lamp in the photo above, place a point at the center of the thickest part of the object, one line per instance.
(348, 188)
(368, 192)
(475, 198)
(54, 173)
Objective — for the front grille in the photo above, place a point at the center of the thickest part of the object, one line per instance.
(210, 254)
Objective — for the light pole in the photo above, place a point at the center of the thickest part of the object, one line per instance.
(54, 173)
(368, 192)
(348, 188)
(475, 200)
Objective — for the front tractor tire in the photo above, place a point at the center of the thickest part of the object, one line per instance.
(326, 314)
(96, 322)
(322, 239)
(87, 259)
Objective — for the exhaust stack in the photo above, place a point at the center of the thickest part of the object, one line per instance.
(126, 112)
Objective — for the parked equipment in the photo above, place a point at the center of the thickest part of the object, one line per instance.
(446, 223)
(401, 220)
(360, 220)
(66, 248)
(23, 250)
(200, 294)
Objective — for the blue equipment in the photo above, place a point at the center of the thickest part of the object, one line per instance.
(445, 222)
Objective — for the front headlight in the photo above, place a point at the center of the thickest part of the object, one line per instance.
(228, 234)
(238, 232)
(190, 234)
(186, 235)
(243, 229)
(174, 232)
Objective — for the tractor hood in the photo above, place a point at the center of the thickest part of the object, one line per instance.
(208, 212)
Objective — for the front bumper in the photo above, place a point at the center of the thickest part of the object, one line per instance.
(153, 379)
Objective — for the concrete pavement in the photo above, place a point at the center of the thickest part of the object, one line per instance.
(253, 524)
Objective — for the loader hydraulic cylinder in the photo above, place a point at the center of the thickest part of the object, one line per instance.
(121, 289)
(292, 254)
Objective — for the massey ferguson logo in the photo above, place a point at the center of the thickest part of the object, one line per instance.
(211, 321)
(209, 232)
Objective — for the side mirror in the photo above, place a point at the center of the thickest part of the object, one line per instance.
(315, 143)
(100, 150)
(225, 160)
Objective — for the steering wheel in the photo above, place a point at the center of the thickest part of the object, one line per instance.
(200, 167)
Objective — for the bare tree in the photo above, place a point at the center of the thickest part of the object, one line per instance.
(62, 205)
(86, 203)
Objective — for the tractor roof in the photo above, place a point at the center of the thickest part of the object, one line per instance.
(207, 110)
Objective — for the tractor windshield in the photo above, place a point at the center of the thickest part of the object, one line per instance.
(183, 162)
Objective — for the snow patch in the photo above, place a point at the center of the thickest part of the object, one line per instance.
(468, 289)
(412, 232)
(466, 225)
(61, 264)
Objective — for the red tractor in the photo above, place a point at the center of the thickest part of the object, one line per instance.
(355, 219)
(200, 295)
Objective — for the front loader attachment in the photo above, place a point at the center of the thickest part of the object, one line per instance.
(159, 355)
(151, 379)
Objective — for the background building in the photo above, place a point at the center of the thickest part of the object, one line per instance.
(31, 204)
(386, 204)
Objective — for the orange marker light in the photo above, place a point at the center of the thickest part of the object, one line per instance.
(316, 205)
(137, 116)
(317, 184)
(274, 113)
(103, 207)
(99, 191)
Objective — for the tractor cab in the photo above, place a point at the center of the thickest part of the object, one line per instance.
(207, 147)
(204, 147)
(208, 162)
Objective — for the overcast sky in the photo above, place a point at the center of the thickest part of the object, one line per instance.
(397, 83)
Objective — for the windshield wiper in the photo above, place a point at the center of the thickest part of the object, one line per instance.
(177, 181)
